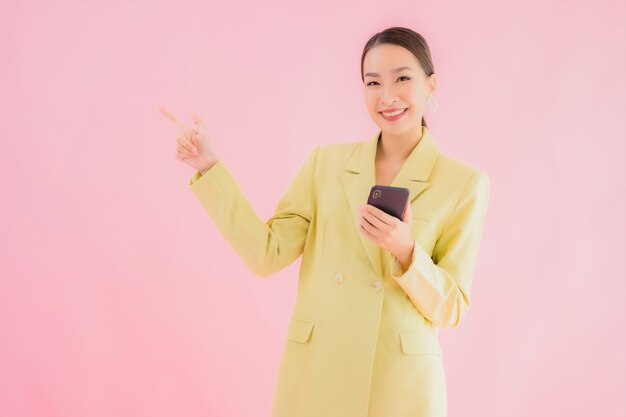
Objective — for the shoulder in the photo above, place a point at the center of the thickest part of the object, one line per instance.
(340, 152)
(452, 166)
(327, 159)
(333, 154)
(456, 174)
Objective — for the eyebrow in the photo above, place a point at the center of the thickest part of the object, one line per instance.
(373, 74)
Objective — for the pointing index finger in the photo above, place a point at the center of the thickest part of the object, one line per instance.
(173, 118)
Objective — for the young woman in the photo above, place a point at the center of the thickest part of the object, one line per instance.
(373, 290)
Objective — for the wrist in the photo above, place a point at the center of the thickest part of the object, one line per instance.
(406, 256)
(209, 165)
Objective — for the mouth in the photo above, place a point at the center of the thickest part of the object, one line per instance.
(395, 116)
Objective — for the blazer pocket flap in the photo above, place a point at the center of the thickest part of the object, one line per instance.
(300, 330)
(415, 343)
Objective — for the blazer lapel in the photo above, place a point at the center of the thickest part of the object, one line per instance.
(359, 176)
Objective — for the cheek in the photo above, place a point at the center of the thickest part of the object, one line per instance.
(370, 103)
(418, 97)
(417, 104)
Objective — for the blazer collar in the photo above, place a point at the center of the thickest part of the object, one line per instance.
(359, 176)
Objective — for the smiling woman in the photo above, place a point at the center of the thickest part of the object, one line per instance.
(373, 290)
(386, 77)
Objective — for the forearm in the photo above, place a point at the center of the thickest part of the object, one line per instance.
(405, 256)
(433, 289)
(265, 246)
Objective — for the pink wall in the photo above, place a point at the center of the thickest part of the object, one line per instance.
(118, 297)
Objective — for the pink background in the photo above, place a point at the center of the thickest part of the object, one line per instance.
(118, 296)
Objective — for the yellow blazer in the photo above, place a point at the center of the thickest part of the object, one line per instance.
(363, 336)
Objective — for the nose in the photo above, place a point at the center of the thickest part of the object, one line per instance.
(389, 96)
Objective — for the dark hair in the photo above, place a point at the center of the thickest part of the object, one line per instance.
(408, 39)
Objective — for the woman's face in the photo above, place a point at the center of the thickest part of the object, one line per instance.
(387, 89)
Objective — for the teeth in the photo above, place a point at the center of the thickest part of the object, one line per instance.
(394, 113)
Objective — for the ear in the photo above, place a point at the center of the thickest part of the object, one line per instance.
(432, 83)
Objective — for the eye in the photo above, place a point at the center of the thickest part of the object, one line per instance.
(404, 76)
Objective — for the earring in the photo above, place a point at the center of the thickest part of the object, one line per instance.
(430, 105)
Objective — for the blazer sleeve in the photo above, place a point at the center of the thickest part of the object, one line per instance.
(265, 246)
(439, 287)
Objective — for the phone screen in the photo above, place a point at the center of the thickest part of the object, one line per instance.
(391, 200)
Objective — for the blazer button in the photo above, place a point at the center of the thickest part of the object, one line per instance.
(378, 285)
(338, 278)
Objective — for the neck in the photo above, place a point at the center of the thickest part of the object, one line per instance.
(398, 147)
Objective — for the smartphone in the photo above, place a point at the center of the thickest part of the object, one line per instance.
(391, 200)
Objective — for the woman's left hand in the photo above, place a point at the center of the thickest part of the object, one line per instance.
(387, 231)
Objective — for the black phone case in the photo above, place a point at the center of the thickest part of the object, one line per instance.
(391, 200)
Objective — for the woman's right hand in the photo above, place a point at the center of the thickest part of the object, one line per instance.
(193, 146)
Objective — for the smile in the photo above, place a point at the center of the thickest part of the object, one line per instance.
(393, 116)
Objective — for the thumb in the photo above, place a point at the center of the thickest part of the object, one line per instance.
(188, 132)
(199, 124)
(194, 139)
(408, 212)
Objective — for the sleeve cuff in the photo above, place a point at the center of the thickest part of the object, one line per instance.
(419, 257)
(212, 173)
